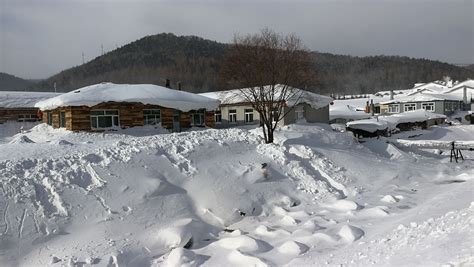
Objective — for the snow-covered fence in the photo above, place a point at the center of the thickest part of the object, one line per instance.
(433, 144)
(454, 146)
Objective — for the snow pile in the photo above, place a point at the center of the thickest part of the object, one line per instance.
(21, 139)
(142, 93)
(21, 99)
(390, 122)
(236, 96)
(200, 198)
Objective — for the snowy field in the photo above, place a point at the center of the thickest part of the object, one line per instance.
(144, 197)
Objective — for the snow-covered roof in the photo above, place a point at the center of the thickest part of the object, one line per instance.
(347, 112)
(390, 122)
(21, 99)
(235, 96)
(422, 97)
(143, 93)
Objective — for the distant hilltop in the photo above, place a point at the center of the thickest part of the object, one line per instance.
(195, 62)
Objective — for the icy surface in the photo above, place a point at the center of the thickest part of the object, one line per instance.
(149, 198)
(143, 93)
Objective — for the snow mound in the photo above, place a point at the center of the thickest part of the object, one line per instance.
(62, 142)
(242, 243)
(181, 257)
(237, 258)
(350, 233)
(389, 199)
(179, 234)
(344, 205)
(292, 248)
(21, 139)
(380, 211)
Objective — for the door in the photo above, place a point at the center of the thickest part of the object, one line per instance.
(176, 121)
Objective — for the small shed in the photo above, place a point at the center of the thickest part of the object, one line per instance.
(106, 106)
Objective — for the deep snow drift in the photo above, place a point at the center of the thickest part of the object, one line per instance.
(222, 198)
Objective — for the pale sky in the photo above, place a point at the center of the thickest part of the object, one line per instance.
(39, 38)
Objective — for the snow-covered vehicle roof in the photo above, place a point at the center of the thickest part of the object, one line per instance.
(142, 93)
(235, 96)
(383, 122)
(22, 99)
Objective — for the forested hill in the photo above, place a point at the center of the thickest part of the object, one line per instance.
(11, 83)
(196, 62)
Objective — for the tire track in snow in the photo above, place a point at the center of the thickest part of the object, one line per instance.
(5, 219)
(22, 222)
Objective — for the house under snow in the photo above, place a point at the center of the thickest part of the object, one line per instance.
(107, 105)
(20, 106)
(235, 110)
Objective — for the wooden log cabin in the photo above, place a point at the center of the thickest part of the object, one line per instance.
(19, 105)
(106, 106)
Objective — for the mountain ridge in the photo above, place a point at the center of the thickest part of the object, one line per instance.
(196, 62)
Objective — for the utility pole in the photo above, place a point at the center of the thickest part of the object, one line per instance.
(82, 57)
(55, 87)
(102, 48)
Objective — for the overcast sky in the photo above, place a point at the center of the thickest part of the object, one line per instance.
(39, 38)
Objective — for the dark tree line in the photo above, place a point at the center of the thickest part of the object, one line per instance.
(197, 62)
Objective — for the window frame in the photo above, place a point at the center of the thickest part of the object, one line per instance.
(104, 114)
(27, 118)
(62, 120)
(201, 114)
(409, 105)
(155, 113)
(397, 106)
(248, 114)
(49, 118)
(218, 114)
(428, 104)
(232, 114)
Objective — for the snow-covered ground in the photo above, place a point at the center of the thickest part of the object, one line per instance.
(145, 197)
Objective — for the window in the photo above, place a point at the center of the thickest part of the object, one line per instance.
(27, 117)
(428, 106)
(49, 115)
(151, 116)
(299, 113)
(394, 108)
(62, 119)
(233, 116)
(104, 119)
(218, 116)
(197, 118)
(248, 115)
(409, 107)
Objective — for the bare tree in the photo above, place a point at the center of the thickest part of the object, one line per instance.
(269, 67)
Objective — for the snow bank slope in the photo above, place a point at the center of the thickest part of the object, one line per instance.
(203, 197)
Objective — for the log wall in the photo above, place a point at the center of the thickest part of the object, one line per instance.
(130, 115)
(14, 113)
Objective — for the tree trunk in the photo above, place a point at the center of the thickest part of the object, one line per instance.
(269, 139)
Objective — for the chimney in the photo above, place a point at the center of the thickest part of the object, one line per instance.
(178, 85)
(372, 107)
(167, 84)
(464, 95)
(391, 94)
